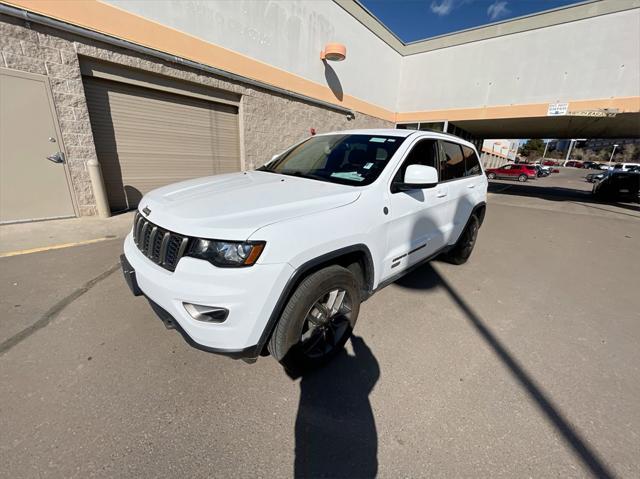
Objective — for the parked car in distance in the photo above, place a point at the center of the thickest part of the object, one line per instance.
(618, 186)
(549, 163)
(592, 165)
(593, 177)
(626, 166)
(603, 166)
(302, 241)
(574, 164)
(542, 171)
(520, 172)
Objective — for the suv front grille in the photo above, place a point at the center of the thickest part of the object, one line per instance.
(161, 246)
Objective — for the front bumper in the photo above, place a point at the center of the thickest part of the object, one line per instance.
(250, 295)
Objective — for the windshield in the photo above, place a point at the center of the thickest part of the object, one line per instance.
(347, 159)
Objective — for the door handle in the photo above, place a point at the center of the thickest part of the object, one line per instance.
(57, 157)
(441, 193)
(471, 186)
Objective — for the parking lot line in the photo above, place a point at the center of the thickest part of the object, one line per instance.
(57, 246)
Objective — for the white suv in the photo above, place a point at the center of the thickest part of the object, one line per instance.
(279, 259)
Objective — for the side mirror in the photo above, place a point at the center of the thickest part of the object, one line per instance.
(417, 177)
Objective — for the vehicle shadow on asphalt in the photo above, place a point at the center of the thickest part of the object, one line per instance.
(426, 277)
(556, 193)
(335, 429)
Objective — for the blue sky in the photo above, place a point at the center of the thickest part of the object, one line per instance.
(417, 19)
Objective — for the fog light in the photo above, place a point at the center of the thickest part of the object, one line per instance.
(208, 314)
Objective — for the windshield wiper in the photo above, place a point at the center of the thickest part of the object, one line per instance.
(296, 173)
(300, 174)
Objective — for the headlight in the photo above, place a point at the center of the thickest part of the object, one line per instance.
(226, 253)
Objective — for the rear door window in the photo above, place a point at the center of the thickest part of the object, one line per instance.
(452, 166)
(471, 162)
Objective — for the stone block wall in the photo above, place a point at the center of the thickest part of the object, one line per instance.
(270, 122)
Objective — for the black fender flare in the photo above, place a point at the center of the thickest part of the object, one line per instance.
(301, 272)
(479, 211)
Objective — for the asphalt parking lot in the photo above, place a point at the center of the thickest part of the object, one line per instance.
(522, 363)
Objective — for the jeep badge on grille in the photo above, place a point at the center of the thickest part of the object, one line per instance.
(146, 211)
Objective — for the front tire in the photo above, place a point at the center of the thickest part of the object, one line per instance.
(317, 320)
(467, 241)
(522, 178)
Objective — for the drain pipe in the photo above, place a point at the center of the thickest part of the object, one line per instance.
(99, 191)
(117, 42)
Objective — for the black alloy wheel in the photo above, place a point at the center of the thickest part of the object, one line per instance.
(326, 323)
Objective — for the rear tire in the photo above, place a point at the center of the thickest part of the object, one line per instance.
(467, 241)
(522, 178)
(317, 320)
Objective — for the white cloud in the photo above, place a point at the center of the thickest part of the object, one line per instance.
(496, 10)
(442, 7)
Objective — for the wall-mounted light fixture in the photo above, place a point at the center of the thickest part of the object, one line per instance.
(334, 52)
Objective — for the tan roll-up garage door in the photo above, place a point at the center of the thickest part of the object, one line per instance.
(146, 138)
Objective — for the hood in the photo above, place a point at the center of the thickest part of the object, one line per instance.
(233, 206)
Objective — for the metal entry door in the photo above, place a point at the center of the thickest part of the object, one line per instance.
(33, 179)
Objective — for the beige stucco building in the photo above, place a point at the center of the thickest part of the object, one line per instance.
(149, 93)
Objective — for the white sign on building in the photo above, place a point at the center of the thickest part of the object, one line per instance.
(557, 109)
